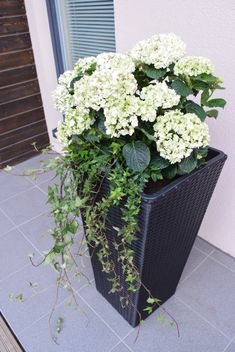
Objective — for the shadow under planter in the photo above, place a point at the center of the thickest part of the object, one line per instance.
(169, 221)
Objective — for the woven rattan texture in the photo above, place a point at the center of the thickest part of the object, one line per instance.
(169, 223)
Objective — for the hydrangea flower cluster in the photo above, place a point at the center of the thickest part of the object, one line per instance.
(77, 120)
(110, 84)
(96, 90)
(116, 91)
(193, 66)
(177, 134)
(115, 62)
(128, 97)
(155, 96)
(85, 64)
(121, 119)
(160, 50)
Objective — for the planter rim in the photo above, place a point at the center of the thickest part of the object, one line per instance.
(149, 198)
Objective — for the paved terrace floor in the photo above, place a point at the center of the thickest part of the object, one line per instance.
(204, 304)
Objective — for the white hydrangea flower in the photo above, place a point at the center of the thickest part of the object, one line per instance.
(66, 78)
(76, 122)
(193, 66)
(102, 89)
(85, 64)
(89, 91)
(115, 61)
(177, 134)
(62, 99)
(61, 96)
(160, 50)
(61, 133)
(146, 111)
(121, 116)
(155, 96)
(94, 91)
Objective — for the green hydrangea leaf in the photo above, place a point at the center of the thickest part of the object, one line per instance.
(212, 113)
(154, 73)
(208, 78)
(158, 163)
(199, 85)
(213, 103)
(193, 107)
(74, 80)
(170, 172)
(205, 96)
(187, 165)
(137, 155)
(181, 88)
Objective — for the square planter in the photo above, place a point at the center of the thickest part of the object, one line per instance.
(169, 221)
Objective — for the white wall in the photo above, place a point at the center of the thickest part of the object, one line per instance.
(208, 28)
(44, 59)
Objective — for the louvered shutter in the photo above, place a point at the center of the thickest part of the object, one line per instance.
(90, 27)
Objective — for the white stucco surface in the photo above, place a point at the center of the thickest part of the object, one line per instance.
(44, 60)
(208, 28)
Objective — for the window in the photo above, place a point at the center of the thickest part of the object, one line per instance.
(85, 28)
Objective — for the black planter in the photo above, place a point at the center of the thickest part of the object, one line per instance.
(169, 222)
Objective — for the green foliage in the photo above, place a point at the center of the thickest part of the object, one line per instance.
(170, 172)
(137, 155)
(79, 76)
(154, 73)
(207, 83)
(161, 319)
(212, 113)
(205, 96)
(213, 103)
(16, 297)
(158, 163)
(208, 78)
(199, 85)
(59, 323)
(187, 165)
(193, 107)
(181, 88)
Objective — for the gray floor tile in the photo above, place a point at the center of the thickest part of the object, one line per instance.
(5, 224)
(195, 334)
(40, 277)
(38, 231)
(224, 259)
(105, 310)
(21, 315)
(83, 332)
(204, 246)
(14, 253)
(121, 348)
(34, 163)
(12, 185)
(210, 292)
(25, 206)
(231, 348)
(195, 258)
